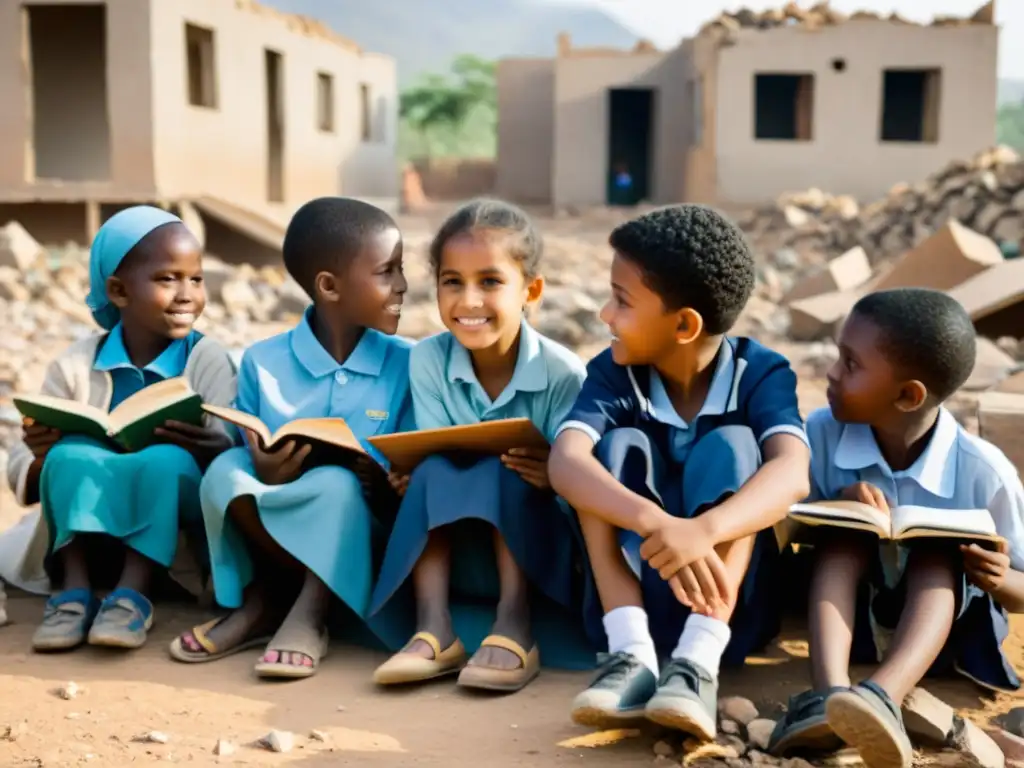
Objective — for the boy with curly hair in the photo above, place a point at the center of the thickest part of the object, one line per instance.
(682, 451)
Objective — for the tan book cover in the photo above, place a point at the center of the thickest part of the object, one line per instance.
(405, 450)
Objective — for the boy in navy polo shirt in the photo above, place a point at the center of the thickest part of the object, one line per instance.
(682, 451)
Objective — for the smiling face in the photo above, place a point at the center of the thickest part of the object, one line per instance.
(481, 290)
(864, 387)
(371, 288)
(643, 331)
(159, 287)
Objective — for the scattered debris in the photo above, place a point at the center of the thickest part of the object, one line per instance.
(68, 691)
(316, 735)
(14, 732)
(278, 741)
(224, 748)
(153, 737)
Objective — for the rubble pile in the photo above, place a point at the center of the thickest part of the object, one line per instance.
(985, 193)
(823, 15)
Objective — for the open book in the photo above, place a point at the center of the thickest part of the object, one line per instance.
(130, 426)
(333, 443)
(405, 450)
(904, 523)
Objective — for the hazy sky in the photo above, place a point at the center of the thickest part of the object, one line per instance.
(665, 22)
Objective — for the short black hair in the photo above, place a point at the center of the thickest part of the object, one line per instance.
(520, 237)
(691, 256)
(325, 234)
(925, 333)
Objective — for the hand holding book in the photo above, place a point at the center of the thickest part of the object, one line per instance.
(280, 465)
(866, 493)
(986, 568)
(39, 438)
(204, 443)
(531, 464)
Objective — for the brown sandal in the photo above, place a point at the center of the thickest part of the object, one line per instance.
(405, 667)
(508, 680)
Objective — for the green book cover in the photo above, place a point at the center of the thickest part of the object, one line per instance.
(139, 433)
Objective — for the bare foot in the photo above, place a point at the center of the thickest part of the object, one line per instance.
(439, 624)
(512, 621)
(253, 619)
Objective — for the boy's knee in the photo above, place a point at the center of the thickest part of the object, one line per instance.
(613, 447)
(730, 446)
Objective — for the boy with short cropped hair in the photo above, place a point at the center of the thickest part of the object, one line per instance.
(682, 451)
(887, 440)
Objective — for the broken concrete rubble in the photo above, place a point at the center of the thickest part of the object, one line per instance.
(842, 274)
(1001, 421)
(942, 261)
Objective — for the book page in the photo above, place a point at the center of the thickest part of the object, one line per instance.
(241, 419)
(153, 398)
(332, 431)
(913, 522)
(843, 514)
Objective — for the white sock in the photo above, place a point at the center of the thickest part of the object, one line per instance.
(703, 642)
(627, 632)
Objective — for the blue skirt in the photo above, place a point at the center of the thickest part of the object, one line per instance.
(321, 519)
(473, 496)
(140, 498)
(717, 466)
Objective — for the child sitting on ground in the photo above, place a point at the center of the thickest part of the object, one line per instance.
(465, 517)
(282, 539)
(887, 440)
(682, 451)
(146, 291)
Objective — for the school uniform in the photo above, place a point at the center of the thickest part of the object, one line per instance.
(88, 487)
(687, 467)
(322, 518)
(479, 492)
(956, 471)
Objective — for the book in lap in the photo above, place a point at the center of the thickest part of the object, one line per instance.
(331, 440)
(131, 426)
(405, 450)
(905, 523)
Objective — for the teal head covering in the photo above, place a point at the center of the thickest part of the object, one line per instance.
(116, 238)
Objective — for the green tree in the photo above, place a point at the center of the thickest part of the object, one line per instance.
(453, 114)
(1010, 126)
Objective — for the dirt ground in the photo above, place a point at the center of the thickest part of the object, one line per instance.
(124, 696)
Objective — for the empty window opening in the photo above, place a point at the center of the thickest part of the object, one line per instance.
(365, 114)
(910, 105)
(68, 59)
(325, 102)
(838, 65)
(200, 56)
(274, 79)
(783, 107)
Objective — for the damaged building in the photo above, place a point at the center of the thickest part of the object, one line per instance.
(229, 112)
(754, 105)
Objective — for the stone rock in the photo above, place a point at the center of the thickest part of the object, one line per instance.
(224, 748)
(730, 727)
(738, 709)
(1013, 721)
(759, 731)
(68, 691)
(14, 732)
(663, 749)
(278, 741)
(18, 248)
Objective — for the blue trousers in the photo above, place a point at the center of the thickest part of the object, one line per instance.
(718, 465)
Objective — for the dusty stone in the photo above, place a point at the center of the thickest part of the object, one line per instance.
(663, 749)
(729, 726)
(795, 762)
(316, 735)
(18, 248)
(1013, 721)
(278, 741)
(759, 732)
(153, 737)
(224, 748)
(732, 742)
(68, 691)
(14, 732)
(737, 708)
(757, 757)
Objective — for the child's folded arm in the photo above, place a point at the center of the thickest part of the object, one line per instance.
(784, 476)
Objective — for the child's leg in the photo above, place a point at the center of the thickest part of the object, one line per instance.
(75, 563)
(867, 716)
(262, 602)
(841, 565)
(69, 613)
(431, 578)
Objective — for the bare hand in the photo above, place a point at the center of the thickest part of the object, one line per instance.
(676, 543)
(399, 482)
(38, 438)
(531, 464)
(703, 585)
(866, 493)
(984, 568)
(280, 466)
(204, 443)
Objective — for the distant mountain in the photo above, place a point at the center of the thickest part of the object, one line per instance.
(425, 35)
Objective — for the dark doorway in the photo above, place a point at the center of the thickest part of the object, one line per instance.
(274, 65)
(68, 60)
(630, 122)
(910, 105)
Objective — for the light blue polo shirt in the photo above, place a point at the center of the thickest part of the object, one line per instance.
(126, 378)
(291, 376)
(957, 470)
(445, 390)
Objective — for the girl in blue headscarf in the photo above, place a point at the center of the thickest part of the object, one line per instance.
(99, 506)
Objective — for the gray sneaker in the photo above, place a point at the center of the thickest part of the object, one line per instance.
(869, 721)
(618, 693)
(686, 700)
